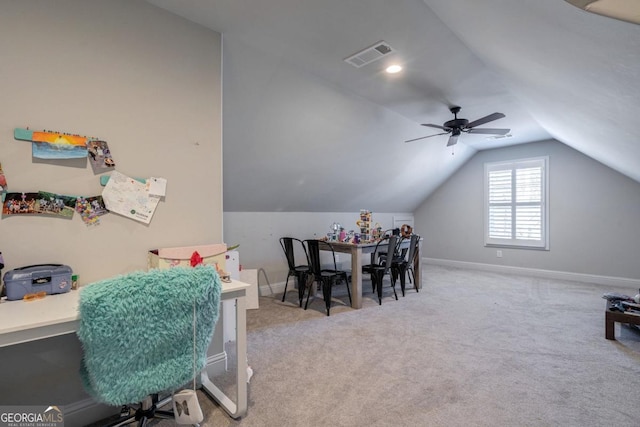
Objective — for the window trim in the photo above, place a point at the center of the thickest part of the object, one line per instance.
(512, 165)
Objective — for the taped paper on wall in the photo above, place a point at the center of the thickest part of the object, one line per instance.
(126, 196)
(157, 186)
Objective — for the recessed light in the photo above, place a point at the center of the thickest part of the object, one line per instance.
(392, 69)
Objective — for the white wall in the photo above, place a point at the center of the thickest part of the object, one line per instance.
(147, 82)
(594, 216)
(258, 234)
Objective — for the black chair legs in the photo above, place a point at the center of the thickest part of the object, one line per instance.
(401, 271)
(300, 278)
(346, 280)
(377, 281)
(326, 293)
(284, 294)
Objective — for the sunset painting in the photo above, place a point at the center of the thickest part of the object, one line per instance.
(54, 145)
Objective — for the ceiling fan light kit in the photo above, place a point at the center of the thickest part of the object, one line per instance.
(456, 127)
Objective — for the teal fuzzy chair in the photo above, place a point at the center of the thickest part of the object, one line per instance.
(137, 334)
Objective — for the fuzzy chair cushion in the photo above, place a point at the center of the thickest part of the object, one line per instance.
(137, 334)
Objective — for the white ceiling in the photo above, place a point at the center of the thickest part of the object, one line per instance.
(305, 131)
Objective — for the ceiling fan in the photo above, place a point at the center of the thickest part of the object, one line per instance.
(457, 126)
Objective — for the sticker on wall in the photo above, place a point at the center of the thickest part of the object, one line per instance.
(53, 145)
(100, 156)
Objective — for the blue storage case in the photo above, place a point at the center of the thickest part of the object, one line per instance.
(51, 278)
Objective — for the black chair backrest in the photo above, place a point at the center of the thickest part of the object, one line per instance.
(413, 248)
(389, 259)
(313, 255)
(287, 244)
(382, 248)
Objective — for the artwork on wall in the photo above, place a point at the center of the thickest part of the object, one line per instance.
(128, 197)
(90, 208)
(100, 156)
(55, 204)
(19, 204)
(53, 145)
(133, 198)
(3, 181)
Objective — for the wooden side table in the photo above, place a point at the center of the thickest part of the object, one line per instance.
(610, 317)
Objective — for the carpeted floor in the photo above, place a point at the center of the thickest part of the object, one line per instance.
(472, 348)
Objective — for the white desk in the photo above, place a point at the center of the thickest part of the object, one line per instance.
(58, 315)
(235, 290)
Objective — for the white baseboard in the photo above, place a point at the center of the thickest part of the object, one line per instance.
(550, 274)
(275, 288)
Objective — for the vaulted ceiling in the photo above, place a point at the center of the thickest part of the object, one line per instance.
(305, 131)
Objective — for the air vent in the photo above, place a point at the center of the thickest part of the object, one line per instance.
(370, 54)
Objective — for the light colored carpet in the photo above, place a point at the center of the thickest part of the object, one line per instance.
(472, 348)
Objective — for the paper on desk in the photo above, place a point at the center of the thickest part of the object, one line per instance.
(126, 196)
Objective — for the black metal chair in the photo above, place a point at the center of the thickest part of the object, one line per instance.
(378, 269)
(289, 245)
(404, 264)
(397, 253)
(327, 277)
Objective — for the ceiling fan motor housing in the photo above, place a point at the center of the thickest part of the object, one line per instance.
(456, 123)
(456, 126)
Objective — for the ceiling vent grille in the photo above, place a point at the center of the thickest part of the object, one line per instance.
(370, 54)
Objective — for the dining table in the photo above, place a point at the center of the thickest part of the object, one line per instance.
(357, 251)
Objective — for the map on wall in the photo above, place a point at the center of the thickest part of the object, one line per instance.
(130, 198)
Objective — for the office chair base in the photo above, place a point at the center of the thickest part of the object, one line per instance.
(145, 412)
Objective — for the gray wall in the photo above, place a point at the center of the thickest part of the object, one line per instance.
(147, 82)
(594, 216)
(291, 137)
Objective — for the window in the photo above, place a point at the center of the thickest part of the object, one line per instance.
(516, 208)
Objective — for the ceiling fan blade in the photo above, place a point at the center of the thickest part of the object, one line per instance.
(435, 126)
(453, 139)
(486, 119)
(428, 136)
(488, 131)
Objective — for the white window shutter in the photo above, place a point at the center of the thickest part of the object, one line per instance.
(516, 203)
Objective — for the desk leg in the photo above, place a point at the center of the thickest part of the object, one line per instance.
(356, 277)
(239, 408)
